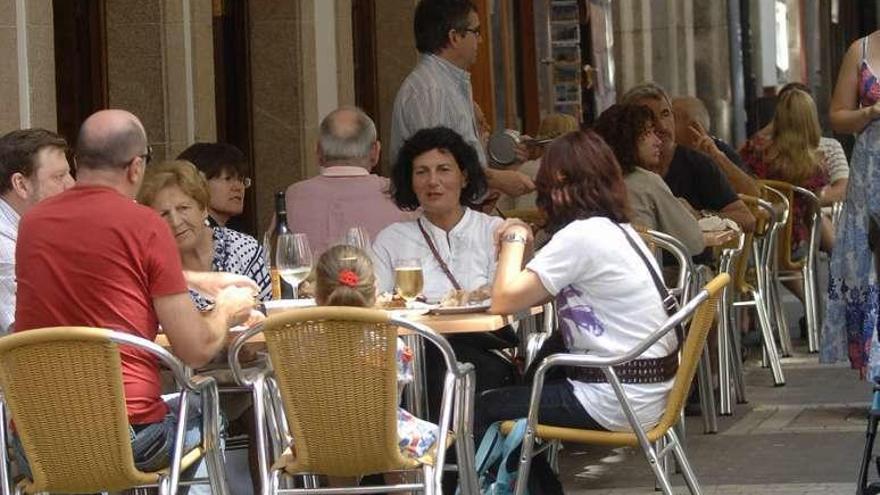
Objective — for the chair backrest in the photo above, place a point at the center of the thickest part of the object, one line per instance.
(671, 245)
(64, 389)
(783, 194)
(692, 350)
(336, 371)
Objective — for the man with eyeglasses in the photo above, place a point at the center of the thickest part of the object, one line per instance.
(33, 167)
(224, 168)
(91, 256)
(438, 91)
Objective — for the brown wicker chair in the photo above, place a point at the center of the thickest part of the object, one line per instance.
(703, 307)
(63, 388)
(336, 374)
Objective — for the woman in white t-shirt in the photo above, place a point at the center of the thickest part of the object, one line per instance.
(607, 300)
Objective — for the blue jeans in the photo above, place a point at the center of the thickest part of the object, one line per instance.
(152, 445)
(559, 407)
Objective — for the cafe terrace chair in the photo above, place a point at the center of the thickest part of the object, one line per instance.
(701, 309)
(751, 286)
(686, 281)
(63, 388)
(335, 370)
(803, 269)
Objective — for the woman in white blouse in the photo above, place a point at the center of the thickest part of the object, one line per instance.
(441, 174)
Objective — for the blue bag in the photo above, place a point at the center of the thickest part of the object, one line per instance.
(497, 476)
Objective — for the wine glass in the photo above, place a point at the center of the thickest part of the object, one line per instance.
(358, 237)
(408, 278)
(294, 258)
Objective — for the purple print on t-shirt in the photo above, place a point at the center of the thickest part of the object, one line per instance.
(574, 316)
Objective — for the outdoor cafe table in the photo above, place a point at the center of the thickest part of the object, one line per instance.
(446, 324)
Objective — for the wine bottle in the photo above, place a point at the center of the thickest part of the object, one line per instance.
(280, 229)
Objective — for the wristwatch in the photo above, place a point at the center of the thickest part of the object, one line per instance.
(513, 237)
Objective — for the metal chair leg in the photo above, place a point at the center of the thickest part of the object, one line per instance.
(707, 395)
(769, 341)
(725, 407)
(811, 306)
(686, 470)
(739, 383)
(781, 321)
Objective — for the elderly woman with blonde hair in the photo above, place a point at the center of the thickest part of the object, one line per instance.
(177, 191)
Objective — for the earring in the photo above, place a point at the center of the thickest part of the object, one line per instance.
(207, 222)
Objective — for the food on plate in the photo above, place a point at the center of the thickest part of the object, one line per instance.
(388, 300)
(458, 298)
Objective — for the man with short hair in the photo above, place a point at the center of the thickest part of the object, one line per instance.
(33, 167)
(91, 256)
(438, 91)
(689, 174)
(692, 128)
(345, 194)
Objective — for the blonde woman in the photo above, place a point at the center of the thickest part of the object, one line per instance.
(177, 191)
(788, 150)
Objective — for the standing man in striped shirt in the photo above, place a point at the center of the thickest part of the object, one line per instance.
(438, 91)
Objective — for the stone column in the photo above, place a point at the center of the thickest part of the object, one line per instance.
(147, 67)
(672, 24)
(712, 66)
(31, 104)
(396, 56)
(632, 43)
(283, 89)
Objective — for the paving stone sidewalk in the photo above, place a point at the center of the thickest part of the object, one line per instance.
(803, 438)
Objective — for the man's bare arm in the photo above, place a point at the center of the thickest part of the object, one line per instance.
(196, 338)
(739, 213)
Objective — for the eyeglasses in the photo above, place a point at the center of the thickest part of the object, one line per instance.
(148, 156)
(247, 182)
(475, 30)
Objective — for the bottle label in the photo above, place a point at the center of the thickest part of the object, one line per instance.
(275, 277)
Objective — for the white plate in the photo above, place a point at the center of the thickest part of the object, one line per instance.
(480, 307)
(283, 304)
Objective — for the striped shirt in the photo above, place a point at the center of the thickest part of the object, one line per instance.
(8, 235)
(436, 93)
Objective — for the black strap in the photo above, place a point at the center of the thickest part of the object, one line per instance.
(437, 257)
(670, 303)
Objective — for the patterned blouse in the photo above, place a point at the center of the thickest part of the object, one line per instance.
(241, 254)
(752, 153)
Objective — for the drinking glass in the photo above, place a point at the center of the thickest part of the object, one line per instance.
(294, 258)
(358, 237)
(408, 278)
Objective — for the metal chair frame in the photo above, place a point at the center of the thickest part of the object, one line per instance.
(761, 248)
(687, 280)
(730, 370)
(790, 269)
(205, 386)
(654, 454)
(456, 409)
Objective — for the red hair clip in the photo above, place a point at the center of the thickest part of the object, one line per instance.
(348, 278)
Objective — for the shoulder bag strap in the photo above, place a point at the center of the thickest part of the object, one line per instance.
(670, 303)
(437, 257)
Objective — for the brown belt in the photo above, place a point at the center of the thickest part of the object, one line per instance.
(648, 370)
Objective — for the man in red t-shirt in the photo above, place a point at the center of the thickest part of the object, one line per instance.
(91, 256)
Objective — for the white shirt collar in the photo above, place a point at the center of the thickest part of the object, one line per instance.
(344, 171)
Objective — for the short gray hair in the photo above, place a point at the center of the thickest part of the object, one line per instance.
(347, 142)
(644, 90)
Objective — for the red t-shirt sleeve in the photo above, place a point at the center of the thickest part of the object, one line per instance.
(164, 270)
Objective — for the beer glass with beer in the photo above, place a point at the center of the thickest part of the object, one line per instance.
(408, 278)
